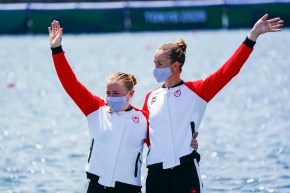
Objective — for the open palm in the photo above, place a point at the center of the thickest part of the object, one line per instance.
(55, 34)
(263, 26)
(272, 25)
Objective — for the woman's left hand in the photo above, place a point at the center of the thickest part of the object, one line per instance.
(263, 26)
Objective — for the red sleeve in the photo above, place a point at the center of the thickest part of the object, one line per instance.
(210, 86)
(84, 99)
(146, 114)
(145, 108)
(147, 140)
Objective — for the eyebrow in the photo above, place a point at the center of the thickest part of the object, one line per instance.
(114, 91)
(158, 61)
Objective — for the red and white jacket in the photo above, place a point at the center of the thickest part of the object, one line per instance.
(117, 138)
(171, 110)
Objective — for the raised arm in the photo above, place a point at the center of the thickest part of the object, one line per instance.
(210, 86)
(84, 99)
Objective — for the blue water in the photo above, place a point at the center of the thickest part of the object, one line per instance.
(243, 140)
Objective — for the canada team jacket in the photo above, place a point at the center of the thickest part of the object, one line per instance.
(173, 110)
(117, 138)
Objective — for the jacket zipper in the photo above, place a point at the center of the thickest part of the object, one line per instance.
(136, 164)
(91, 149)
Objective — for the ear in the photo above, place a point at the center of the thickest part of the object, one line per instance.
(176, 65)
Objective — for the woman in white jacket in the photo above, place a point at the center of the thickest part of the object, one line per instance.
(177, 107)
(117, 129)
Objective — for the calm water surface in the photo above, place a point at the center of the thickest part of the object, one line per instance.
(243, 140)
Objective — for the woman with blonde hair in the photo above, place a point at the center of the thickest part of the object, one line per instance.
(177, 107)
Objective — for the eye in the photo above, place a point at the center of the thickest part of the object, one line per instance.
(116, 94)
(158, 64)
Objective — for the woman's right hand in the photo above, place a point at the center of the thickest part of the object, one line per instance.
(55, 34)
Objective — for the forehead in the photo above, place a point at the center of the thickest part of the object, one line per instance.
(160, 55)
(114, 86)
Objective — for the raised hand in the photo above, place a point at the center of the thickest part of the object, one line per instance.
(55, 34)
(263, 26)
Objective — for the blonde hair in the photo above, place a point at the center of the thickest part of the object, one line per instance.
(175, 51)
(127, 80)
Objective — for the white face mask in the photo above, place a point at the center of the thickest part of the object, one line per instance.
(116, 103)
(162, 74)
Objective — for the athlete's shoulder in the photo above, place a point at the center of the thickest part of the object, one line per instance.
(96, 104)
(193, 84)
(145, 113)
(153, 91)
